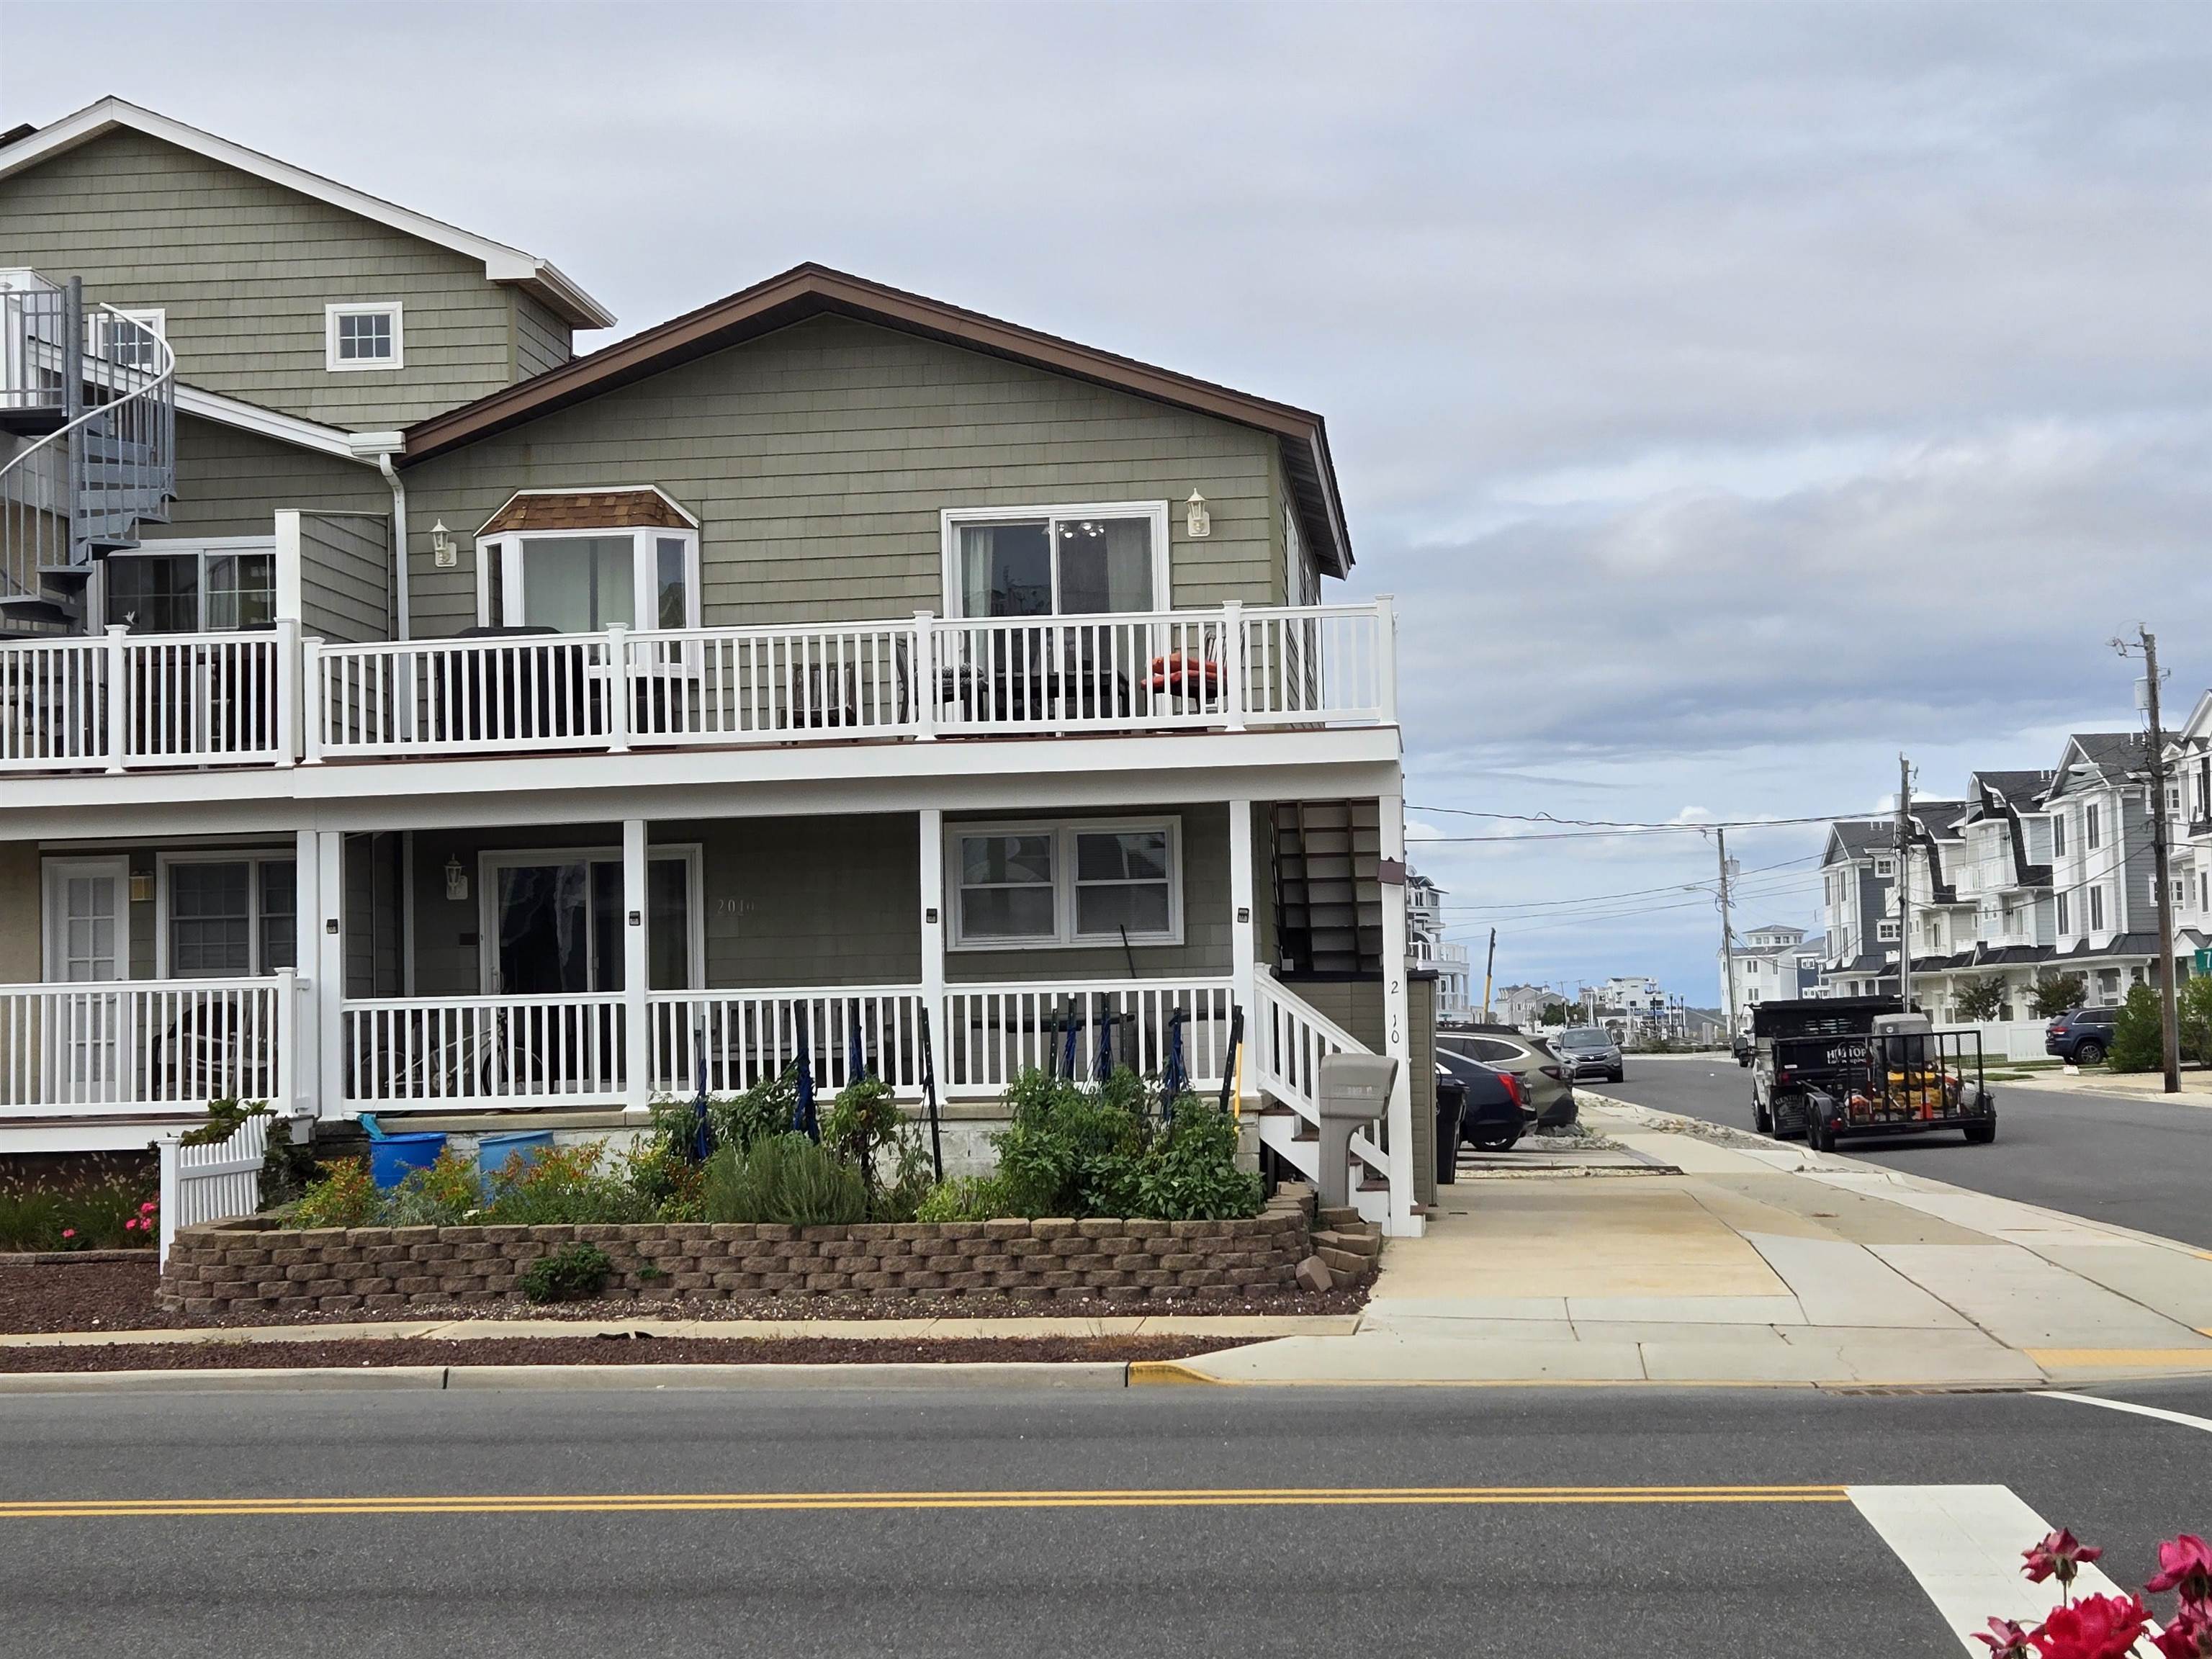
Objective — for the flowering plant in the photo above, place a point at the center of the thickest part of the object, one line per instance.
(2111, 1626)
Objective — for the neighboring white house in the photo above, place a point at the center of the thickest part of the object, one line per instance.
(1523, 1005)
(1773, 963)
(1430, 951)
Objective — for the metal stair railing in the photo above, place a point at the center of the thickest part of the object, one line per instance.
(83, 488)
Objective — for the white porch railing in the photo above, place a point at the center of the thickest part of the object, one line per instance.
(993, 1033)
(123, 700)
(747, 1037)
(438, 1051)
(120, 1047)
(217, 1182)
(917, 678)
(1290, 1037)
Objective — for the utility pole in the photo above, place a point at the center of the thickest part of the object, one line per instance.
(2169, 1019)
(1903, 886)
(1728, 935)
(1489, 967)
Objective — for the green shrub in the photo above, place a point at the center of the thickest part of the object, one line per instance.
(2196, 1008)
(99, 1203)
(761, 1113)
(674, 1185)
(223, 1118)
(2137, 1045)
(561, 1185)
(344, 1196)
(572, 1273)
(786, 1179)
(962, 1198)
(444, 1193)
(1980, 999)
(1068, 1150)
(1190, 1173)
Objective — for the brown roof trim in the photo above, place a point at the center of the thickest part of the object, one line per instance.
(648, 507)
(811, 290)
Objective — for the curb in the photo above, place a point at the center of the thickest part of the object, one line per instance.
(1172, 1373)
(1089, 1375)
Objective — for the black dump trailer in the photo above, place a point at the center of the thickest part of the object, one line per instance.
(1828, 1067)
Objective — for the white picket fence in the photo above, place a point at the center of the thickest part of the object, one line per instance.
(2015, 1039)
(220, 1181)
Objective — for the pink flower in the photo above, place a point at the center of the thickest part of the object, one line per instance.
(2185, 1564)
(2060, 1556)
(2189, 1635)
(2006, 1638)
(2094, 1627)
(68, 1232)
(148, 1207)
(131, 1225)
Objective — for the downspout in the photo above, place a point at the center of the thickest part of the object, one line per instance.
(399, 630)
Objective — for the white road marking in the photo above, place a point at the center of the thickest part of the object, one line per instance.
(2130, 1407)
(1963, 1544)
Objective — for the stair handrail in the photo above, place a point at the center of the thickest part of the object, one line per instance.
(15, 513)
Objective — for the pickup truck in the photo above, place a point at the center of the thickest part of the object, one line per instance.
(1844, 1066)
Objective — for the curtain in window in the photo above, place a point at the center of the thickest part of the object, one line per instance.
(1105, 565)
(1005, 570)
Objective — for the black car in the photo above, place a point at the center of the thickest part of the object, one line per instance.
(1496, 1113)
(2081, 1036)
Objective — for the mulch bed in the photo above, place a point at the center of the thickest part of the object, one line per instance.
(63, 1295)
(640, 1349)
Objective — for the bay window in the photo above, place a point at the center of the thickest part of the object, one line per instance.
(568, 582)
(1052, 885)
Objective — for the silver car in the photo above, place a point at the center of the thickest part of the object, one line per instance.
(1588, 1051)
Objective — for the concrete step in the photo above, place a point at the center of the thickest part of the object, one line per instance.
(1360, 1243)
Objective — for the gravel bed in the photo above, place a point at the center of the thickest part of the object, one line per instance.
(71, 1296)
(638, 1349)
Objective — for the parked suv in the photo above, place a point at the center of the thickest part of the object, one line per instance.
(1589, 1051)
(1543, 1078)
(2081, 1036)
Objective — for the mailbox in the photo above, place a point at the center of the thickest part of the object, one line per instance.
(1355, 1088)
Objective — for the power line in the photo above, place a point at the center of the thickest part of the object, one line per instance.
(1630, 824)
(1631, 892)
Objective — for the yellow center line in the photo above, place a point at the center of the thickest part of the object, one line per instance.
(1133, 1498)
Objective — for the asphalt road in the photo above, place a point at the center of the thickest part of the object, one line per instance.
(2140, 1163)
(917, 1577)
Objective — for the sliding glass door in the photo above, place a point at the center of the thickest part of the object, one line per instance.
(554, 922)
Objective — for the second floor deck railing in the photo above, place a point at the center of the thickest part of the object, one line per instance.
(121, 701)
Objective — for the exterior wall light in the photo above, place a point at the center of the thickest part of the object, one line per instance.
(456, 879)
(1196, 520)
(445, 551)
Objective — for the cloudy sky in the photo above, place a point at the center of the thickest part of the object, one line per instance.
(1732, 398)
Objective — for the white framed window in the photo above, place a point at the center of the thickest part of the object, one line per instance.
(224, 915)
(2058, 835)
(213, 587)
(1885, 867)
(125, 336)
(2096, 909)
(1064, 884)
(1089, 559)
(551, 920)
(1886, 931)
(2091, 836)
(2065, 920)
(581, 581)
(364, 334)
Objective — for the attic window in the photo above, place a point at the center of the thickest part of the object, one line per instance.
(363, 335)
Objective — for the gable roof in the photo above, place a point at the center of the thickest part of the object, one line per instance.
(2023, 791)
(1856, 838)
(23, 148)
(2111, 755)
(813, 290)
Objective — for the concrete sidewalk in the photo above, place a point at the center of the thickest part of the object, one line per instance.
(1762, 1262)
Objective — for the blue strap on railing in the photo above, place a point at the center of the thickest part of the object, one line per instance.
(803, 1120)
(1175, 1076)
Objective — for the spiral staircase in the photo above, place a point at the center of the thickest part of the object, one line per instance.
(87, 431)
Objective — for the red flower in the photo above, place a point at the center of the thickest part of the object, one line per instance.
(2094, 1627)
(2189, 1635)
(2059, 1556)
(2006, 1638)
(2185, 1564)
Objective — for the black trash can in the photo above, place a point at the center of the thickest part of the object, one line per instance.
(1451, 1104)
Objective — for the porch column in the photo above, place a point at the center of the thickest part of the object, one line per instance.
(304, 1063)
(637, 1046)
(1243, 919)
(1397, 1023)
(328, 919)
(931, 839)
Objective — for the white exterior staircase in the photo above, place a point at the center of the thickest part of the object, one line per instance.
(1288, 1040)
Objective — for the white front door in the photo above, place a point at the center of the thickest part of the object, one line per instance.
(86, 943)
